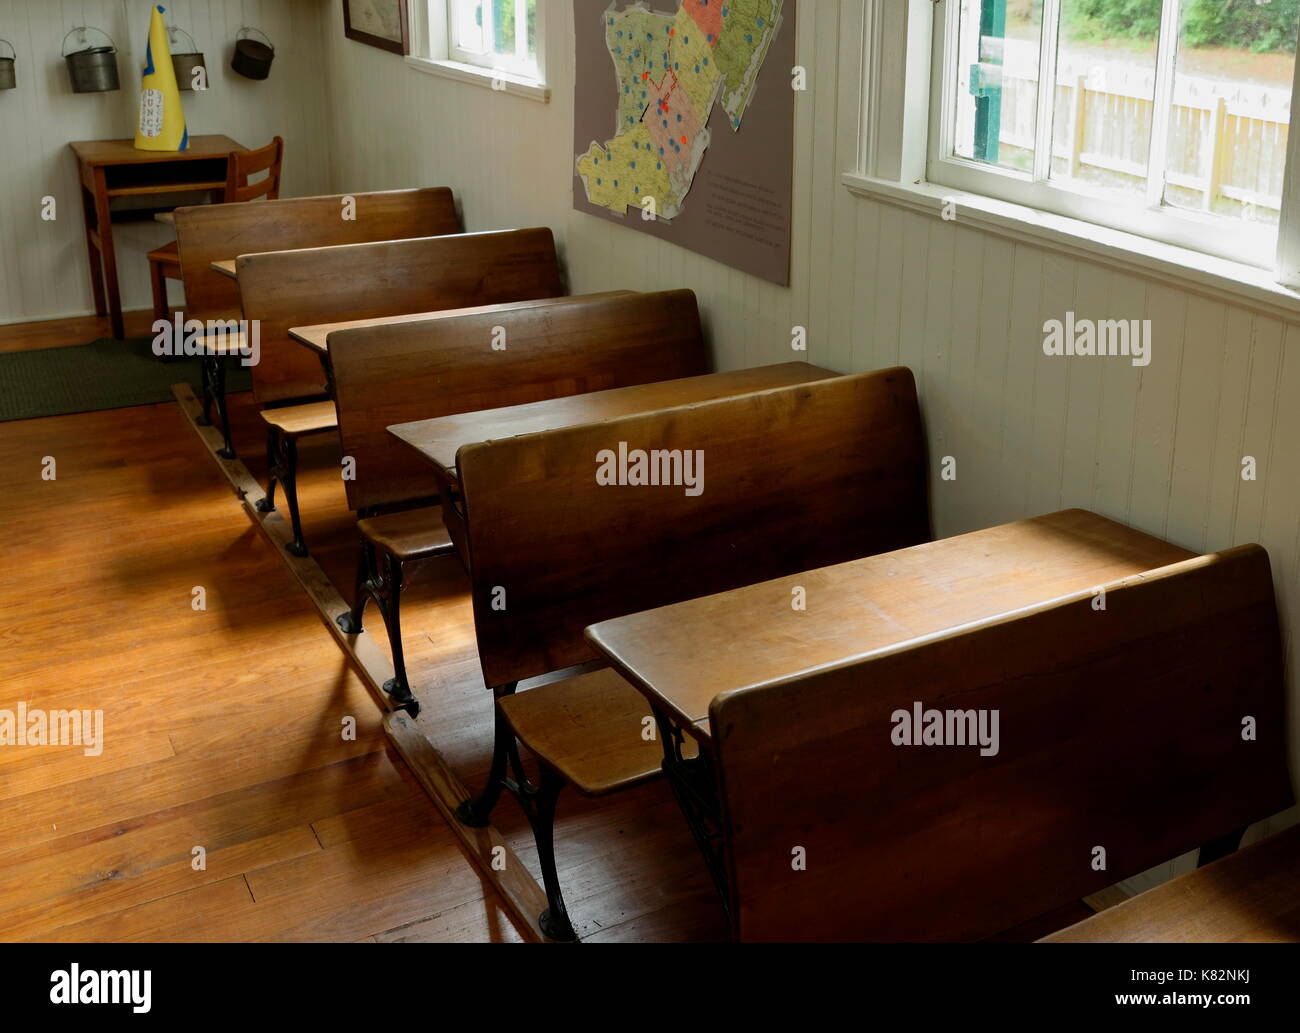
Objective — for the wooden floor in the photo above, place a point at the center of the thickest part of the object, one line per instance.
(223, 726)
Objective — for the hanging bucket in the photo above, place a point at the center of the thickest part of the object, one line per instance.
(186, 63)
(93, 70)
(7, 78)
(253, 58)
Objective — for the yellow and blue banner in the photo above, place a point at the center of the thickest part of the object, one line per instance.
(162, 120)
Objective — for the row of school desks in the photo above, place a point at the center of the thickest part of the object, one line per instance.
(778, 610)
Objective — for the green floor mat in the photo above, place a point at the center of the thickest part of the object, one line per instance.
(105, 374)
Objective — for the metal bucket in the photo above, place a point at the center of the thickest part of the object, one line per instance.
(186, 63)
(252, 59)
(7, 78)
(93, 70)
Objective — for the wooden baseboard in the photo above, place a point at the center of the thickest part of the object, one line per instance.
(67, 331)
(486, 847)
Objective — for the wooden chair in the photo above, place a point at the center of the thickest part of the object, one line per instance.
(401, 373)
(287, 289)
(213, 233)
(796, 478)
(165, 262)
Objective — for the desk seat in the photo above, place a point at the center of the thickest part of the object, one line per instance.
(222, 346)
(294, 421)
(168, 254)
(589, 728)
(415, 534)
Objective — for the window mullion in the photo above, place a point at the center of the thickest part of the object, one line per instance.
(1288, 230)
(521, 32)
(949, 53)
(488, 16)
(1166, 53)
(1047, 51)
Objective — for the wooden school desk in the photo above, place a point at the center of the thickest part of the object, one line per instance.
(226, 267)
(792, 716)
(110, 169)
(1252, 896)
(439, 440)
(316, 338)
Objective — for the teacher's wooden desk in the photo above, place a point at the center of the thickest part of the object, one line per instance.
(110, 169)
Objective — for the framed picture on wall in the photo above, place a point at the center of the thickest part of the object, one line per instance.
(379, 23)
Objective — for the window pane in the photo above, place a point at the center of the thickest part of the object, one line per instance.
(997, 81)
(503, 26)
(1231, 108)
(1105, 95)
(468, 16)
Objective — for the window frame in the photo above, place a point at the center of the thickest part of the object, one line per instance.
(1257, 244)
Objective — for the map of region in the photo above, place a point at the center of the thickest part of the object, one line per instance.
(672, 70)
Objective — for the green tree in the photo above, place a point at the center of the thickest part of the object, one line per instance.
(1240, 24)
(1244, 24)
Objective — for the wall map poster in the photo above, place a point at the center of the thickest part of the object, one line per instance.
(684, 124)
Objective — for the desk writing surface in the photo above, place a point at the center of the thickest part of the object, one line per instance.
(226, 267)
(317, 337)
(123, 152)
(686, 654)
(440, 439)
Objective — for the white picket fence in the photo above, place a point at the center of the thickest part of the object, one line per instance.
(1226, 140)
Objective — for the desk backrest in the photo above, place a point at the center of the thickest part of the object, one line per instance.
(794, 478)
(1119, 729)
(477, 359)
(217, 232)
(285, 289)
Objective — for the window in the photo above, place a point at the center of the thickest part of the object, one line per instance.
(1165, 118)
(496, 43)
(498, 34)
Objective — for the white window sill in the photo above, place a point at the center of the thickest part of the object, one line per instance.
(516, 85)
(1233, 282)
